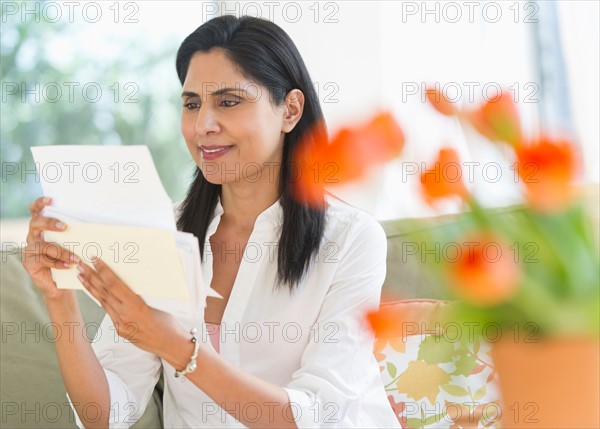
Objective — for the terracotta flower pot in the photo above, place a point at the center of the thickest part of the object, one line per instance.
(553, 383)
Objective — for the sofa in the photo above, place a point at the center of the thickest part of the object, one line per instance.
(432, 380)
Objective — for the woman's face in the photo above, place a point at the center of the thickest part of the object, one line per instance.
(231, 128)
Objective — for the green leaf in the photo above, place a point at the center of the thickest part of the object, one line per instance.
(455, 390)
(480, 393)
(414, 423)
(464, 365)
(435, 350)
(391, 368)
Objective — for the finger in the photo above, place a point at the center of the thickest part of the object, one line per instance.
(48, 255)
(43, 252)
(54, 251)
(117, 286)
(100, 295)
(92, 281)
(41, 223)
(38, 205)
(114, 308)
(51, 263)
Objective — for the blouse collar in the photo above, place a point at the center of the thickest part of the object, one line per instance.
(270, 218)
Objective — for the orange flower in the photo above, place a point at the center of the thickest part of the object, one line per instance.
(547, 169)
(383, 136)
(440, 102)
(386, 322)
(445, 178)
(310, 154)
(355, 150)
(484, 272)
(346, 157)
(497, 119)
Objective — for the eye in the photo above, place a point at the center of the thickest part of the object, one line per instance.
(191, 106)
(229, 103)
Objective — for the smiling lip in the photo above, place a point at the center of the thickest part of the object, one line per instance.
(213, 152)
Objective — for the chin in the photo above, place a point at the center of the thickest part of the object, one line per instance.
(216, 175)
(213, 178)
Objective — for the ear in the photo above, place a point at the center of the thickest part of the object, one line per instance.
(294, 106)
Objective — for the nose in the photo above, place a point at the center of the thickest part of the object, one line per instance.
(206, 121)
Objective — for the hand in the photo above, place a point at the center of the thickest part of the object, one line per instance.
(39, 256)
(146, 327)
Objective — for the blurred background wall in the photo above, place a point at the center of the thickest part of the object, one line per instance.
(103, 73)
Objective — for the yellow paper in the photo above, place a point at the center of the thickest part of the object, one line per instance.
(146, 259)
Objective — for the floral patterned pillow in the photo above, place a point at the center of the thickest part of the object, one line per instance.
(436, 376)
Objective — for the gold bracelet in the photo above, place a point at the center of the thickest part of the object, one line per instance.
(191, 367)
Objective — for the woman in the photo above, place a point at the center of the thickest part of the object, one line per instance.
(286, 346)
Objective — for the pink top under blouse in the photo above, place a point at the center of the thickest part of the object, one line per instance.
(214, 329)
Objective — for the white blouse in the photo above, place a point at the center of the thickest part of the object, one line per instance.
(313, 343)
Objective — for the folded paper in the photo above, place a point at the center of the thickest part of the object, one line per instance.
(115, 207)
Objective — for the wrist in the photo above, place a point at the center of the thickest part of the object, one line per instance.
(186, 361)
(63, 309)
(60, 299)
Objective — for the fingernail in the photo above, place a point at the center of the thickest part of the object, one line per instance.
(95, 259)
(66, 265)
(46, 200)
(74, 258)
(80, 278)
(60, 225)
(80, 268)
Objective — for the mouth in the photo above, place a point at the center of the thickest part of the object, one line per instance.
(213, 152)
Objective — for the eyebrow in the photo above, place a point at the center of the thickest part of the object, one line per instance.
(215, 93)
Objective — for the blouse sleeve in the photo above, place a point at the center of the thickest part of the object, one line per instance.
(338, 368)
(132, 374)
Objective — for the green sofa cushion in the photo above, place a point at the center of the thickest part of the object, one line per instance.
(410, 259)
(407, 277)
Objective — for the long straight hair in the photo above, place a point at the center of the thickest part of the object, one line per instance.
(266, 54)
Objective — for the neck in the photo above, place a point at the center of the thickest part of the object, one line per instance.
(243, 202)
